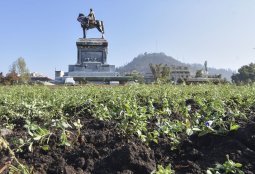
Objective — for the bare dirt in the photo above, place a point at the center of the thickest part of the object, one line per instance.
(101, 149)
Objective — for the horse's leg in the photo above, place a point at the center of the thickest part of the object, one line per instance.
(100, 28)
(84, 33)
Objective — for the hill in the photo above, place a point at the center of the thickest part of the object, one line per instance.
(141, 63)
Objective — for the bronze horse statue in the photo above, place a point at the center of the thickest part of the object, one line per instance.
(87, 24)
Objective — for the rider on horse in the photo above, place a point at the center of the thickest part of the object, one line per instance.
(90, 22)
(91, 17)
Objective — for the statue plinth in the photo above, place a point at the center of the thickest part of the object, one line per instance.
(91, 42)
(91, 59)
(91, 50)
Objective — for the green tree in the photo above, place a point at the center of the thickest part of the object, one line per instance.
(246, 74)
(19, 67)
(160, 73)
(11, 78)
(199, 73)
(165, 73)
(1, 78)
(137, 76)
(155, 71)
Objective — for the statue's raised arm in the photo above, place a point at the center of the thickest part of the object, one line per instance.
(89, 22)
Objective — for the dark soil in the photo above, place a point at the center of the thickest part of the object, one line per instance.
(101, 149)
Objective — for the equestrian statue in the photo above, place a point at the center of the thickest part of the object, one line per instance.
(89, 22)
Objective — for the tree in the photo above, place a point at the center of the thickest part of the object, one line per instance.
(155, 71)
(181, 81)
(19, 67)
(160, 73)
(1, 78)
(11, 78)
(199, 73)
(165, 72)
(246, 74)
(137, 76)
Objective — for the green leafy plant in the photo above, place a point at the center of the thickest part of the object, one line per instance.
(229, 167)
(171, 129)
(78, 126)
(147, 111)
(162, 170)
(20, 168)
(38, 134)
(63, 125)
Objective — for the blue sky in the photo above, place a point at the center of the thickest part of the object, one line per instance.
(44, 32)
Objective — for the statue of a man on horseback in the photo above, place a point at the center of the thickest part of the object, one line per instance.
(89, 22)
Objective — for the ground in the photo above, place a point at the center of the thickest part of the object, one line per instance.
(101, 148)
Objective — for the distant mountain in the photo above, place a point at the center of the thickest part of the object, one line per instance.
(141, 63)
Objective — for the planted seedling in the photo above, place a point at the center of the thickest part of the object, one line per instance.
(229, 167)
(38, 134)
(162, 170)
(21, 168)
(63, 125)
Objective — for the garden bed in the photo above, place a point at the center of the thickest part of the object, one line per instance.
(100, 148)
(128, 129)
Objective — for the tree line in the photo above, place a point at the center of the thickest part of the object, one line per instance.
(18, 73)
(245, 75)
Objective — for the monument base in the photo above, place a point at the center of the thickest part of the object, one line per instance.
(104, 80)
(91, 50)
(91, 59)
(91, 65)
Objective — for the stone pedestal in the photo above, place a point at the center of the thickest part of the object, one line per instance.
(92, 50)
(91, 59)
